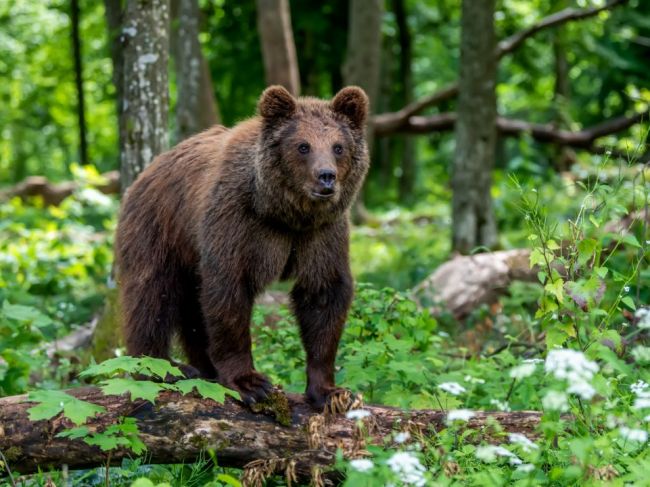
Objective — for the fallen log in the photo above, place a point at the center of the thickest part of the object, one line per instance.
(181, 428)
(463, 283)
(54, 193)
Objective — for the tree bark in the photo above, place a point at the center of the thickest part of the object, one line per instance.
(196, 107)
(473, 221)
(113, 13)
(408, 166)
(145, 107)
(362, 65)
(79, 84)
(278, 47)
(178, 429)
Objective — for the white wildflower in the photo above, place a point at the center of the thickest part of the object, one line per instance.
(526, 467)
(534, 361)
(575, 368)
(638, 387)
(555, 401)
(357, 414)
(408, 468)
(96, 198)
(632, 434)
(522, 371)
(523, 442)
(452, 388)
(459, 415)
(473, 380)
(361, 464)
(489, 454)
(642, 316)
(641, 354)
(582, 389)
(626, 289)
(402, 437)
(641, 402)
(500, 405)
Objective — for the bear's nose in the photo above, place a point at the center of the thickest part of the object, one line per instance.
(327, 177)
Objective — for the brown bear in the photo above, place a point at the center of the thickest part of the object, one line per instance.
(210, 223)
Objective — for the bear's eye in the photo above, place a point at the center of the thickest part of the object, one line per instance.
(303, 148)
(338, 149)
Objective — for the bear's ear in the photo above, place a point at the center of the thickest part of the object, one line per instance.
(276, 102)
(352, 102)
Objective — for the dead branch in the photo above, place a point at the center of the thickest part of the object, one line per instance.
(508, 45)
(582, 139)
(181, 428)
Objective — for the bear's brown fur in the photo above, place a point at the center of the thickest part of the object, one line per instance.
(209, 224)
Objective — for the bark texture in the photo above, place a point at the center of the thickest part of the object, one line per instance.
(472, 213)
(278, 47)
(180, 428)
(145, 104)
(196, 107)
(79, 83)
(362, 66)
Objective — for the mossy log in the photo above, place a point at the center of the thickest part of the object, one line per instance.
(181, 428)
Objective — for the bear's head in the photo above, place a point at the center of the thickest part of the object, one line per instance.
(312, 155)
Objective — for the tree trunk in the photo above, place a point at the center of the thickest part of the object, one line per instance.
(179, 429)
(78, 71)
(362, 64)
(278, 47)
(473, 216)
(196, 107)
(113, 12)
(408, 167)
(144, 110)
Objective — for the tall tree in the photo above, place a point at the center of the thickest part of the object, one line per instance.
(473, 215)
(278, 47)
(113, 13)
(144, 109)
(407, 178)
(196, 107)
(78, 72)
(362, 61)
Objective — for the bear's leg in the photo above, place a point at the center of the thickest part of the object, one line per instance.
(321, 309)
(149, 301)
(193, 333)
(227, 307)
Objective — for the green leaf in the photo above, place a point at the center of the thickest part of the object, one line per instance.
(556, 289)
(138, 389)
(53, 402)
(552, 245)
(113, 366)
(209, 390)
(629, 302)
(586, 250)
(74, 433)
(537, 258)
(25, 314)
(143, 482)
(160, 367)
(630, 240)
(228, 479)
(555, 337)
(107, 442)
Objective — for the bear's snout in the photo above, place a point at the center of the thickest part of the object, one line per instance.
(327, 179)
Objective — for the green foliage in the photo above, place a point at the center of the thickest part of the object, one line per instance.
(51, 403)
(119, 435)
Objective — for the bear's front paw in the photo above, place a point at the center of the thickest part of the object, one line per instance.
(252, 386)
